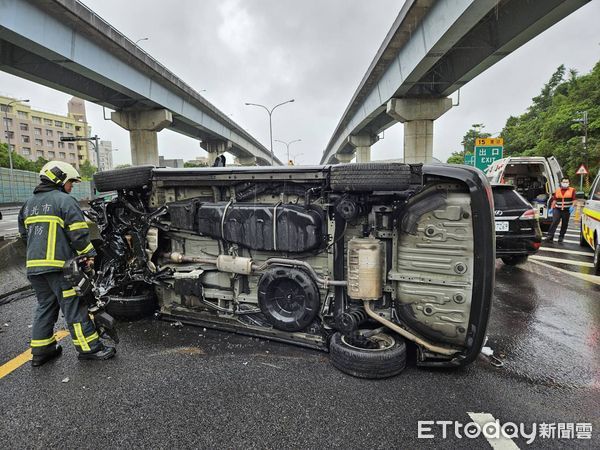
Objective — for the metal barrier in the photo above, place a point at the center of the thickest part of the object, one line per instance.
(24, 182)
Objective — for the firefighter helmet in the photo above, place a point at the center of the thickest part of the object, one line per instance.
(59, 172)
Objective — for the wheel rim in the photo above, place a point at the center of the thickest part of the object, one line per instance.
(384, 342)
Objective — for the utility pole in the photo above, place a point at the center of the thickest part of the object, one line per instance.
(10, 161)
(93, 140)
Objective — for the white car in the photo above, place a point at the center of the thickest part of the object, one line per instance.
(590, 223)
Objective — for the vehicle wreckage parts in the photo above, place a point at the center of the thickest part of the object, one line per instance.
(363, 177)
(368, 354)
(126, 178)
(288, 298)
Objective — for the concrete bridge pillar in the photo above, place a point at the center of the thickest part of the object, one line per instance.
(143, 127)
(362, 146)
(215, 148)
(418, 116)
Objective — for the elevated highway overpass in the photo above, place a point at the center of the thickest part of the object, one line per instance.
(433, 48)
(64, 45)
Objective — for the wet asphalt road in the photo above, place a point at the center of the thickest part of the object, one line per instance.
(186, 387)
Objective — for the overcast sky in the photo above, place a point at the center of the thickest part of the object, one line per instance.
(315, 51)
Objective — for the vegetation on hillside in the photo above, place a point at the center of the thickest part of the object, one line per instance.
(553, 123)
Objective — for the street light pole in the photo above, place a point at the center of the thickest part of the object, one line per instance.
(296, 155)
(287, 144)
(10, 161)
(270, 113)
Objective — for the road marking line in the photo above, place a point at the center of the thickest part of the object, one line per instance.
(571, 242)
(24, 357)
(583, 276)
(497, 443)
(11, 229)
(561, 261)
(570, 252)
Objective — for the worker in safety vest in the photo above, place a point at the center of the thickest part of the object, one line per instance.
(55, 230)
(562, 202)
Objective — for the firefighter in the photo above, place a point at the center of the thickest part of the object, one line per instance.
(562, 202)
(55, 230)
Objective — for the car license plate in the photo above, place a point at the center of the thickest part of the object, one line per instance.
(501, 226)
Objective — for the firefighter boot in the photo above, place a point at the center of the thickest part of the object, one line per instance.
(39, 360)
(104, 353)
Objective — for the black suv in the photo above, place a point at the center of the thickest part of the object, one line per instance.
(518, 232)
(354, 259)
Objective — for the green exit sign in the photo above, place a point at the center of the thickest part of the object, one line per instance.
(487, 151)
(469, 159)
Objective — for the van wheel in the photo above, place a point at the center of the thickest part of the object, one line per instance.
(373, 176)
(132, 307)
(379, 356)
(582, 241)
(126, 178)
(514, 260)
(597, 260)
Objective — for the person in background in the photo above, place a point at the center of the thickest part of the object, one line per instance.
(562, 202)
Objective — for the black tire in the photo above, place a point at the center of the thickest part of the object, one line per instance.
(368, 363)
(582, 241)
(288, 298)
(514, 260)
(133, 307)
(126, 178)
(374, 177)
(597, 259)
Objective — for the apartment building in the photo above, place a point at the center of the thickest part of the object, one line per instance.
(34, 133)
(105, 152)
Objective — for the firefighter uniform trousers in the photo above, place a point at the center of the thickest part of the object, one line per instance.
(53, 294)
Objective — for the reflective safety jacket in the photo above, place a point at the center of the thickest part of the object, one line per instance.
(564, 198)
(55, 229)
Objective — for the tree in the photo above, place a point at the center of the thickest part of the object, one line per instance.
(87, 170)
(468, 143)
(19, 162)
(552, 124)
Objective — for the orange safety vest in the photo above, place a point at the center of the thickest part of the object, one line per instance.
(566, 200)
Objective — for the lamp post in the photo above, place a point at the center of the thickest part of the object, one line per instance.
(296, 155)
(270, 112)
(10, 161)
(141, 39)
(287, 144)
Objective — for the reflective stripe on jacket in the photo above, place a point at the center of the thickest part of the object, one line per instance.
(55, 230)
(566, 200)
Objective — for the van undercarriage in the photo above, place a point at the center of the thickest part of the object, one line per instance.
(360, 256)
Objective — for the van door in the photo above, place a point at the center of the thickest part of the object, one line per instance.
(556, 171)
